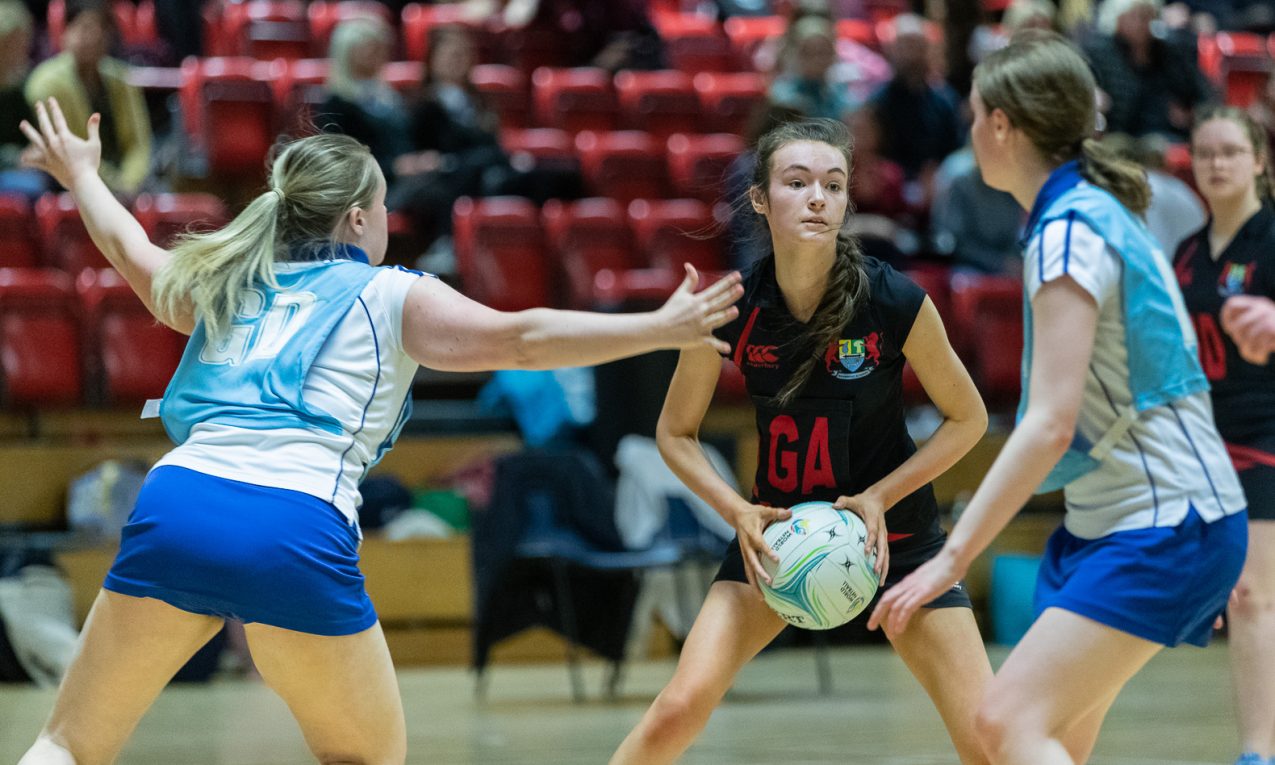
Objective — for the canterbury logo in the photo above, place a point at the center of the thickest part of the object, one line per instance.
(761, 354)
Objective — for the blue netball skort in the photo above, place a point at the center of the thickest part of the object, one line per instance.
(1164, 584)
(251, 553)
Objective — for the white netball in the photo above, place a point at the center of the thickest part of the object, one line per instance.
(823, 578)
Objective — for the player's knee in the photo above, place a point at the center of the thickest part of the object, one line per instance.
(678, 711)
(1252, 599)
(993, 724)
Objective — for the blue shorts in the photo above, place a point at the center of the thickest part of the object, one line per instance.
(239, 551)
(1166, 585)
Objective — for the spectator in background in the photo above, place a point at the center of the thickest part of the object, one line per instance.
(85, 79)
(612, 34)
(804, 77)
(1148, 84)
(881, 217)
(454, 146)
(1020, 14)
(16, 36)
(857, 68)
(360, 103)
(1175, 211)
(919, 117)
(972, 223)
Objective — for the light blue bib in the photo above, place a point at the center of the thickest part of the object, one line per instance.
(1161, 346)
(253, 378)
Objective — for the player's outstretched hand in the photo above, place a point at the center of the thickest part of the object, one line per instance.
(56, 150)
(872, 511)
(901, 601)
(692, 316)
(1250, 321)
(750, 523)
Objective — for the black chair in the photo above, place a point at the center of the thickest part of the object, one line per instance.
(547, 552)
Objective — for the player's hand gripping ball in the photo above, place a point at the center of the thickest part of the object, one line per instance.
(823, 578)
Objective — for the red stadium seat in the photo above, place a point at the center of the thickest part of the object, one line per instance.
(131, 356)
(267, 29)
(1177, 161)
(729, 99)
(634, 289)
(504, 88)
(323, 16)
(1214, 50)
(229, 110)
(164, 216)
(39, 339)
(670, 232)
(574, 99)
(548, 147)
(936, 281)
(500, 252)
(66, 241)
(419, 19)
(299, 91)
(987, 330)
(694, 52)
(748, 33)
(1244, 66)
(661, 103)
(19, 247)
(135, 22)
(624, 164)
(672, 24)
(697, 163)
(585, 237)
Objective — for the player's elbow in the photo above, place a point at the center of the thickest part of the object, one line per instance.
(1054, 430)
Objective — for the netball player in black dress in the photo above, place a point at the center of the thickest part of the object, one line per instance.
(1234, 255)
(822, 336)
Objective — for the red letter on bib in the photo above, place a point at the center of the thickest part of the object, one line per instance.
(818, 472)
(784, 426)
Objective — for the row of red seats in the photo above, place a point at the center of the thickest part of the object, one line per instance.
(268, 29)
(51, 234)
(512, 255)
(984, 320)
(67, 342)
(234, 107)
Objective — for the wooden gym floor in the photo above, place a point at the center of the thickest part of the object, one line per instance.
(1177, 712)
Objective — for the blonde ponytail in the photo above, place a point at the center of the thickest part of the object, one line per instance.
(314, 182)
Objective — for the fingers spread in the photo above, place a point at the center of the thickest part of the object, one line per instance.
(32, 135)
(59, 121)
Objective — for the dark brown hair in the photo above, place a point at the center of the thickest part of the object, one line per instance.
(847, 286)
(1045, 88)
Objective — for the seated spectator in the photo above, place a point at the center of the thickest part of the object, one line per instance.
(1148, 84)
(454, 147)
(15, 59)
(359, 102)
(611, 34)
(858, 68)
(882, 218)
(975, 225)
(84, 79)
(803, 79)
(919, 116)
(1020, 14)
